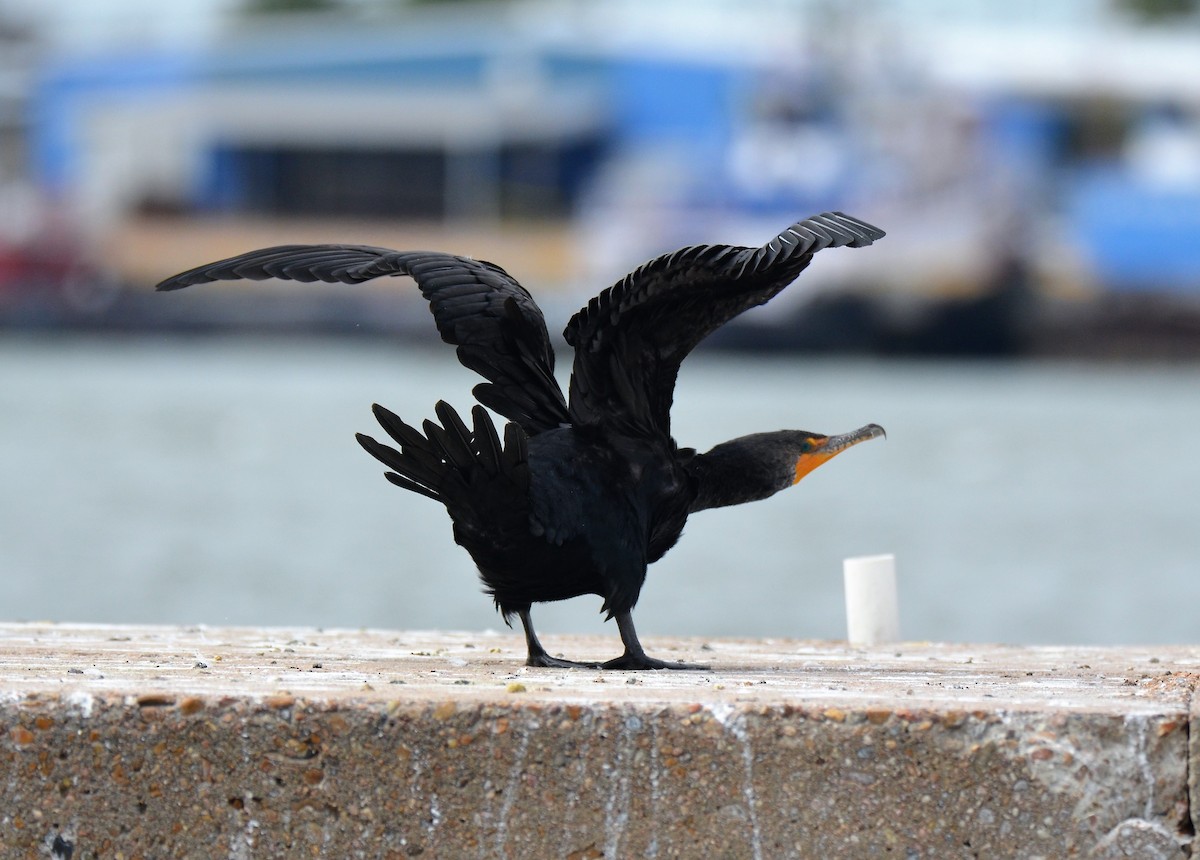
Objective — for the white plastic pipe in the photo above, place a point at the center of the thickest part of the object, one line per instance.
(872, 610)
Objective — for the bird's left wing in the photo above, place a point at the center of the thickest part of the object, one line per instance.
(477, 306)
(630, 340)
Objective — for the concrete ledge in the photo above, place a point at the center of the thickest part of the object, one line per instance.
(208, 742)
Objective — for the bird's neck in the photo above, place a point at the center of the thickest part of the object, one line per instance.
(741, 470)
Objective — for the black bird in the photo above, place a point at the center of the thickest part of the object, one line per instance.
(583, 492)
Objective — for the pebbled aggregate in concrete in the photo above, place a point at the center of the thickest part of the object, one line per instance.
(148, 742)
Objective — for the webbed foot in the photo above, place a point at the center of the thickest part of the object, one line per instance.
(635, 656)
(537, 653)
(545, 661)
(643, 661)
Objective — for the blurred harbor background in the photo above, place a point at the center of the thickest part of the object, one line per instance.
(1028, 332)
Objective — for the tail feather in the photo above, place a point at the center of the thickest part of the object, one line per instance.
(486, 442)
(516, 452)
(396, 428)
(457, 445)
(448, 458)
(418, 450)
(406, 471)
(406, 484)
(448, 446)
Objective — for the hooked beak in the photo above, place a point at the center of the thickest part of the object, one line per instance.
(828, 447)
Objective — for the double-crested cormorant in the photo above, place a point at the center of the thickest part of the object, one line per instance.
(583, 492)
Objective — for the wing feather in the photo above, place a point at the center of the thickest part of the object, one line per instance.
(477, 306)
(630, 340)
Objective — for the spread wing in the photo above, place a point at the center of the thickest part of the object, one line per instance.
(477, 306)
(630, 340)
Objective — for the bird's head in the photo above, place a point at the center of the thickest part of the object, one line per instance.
(815, 449)
(758, 466)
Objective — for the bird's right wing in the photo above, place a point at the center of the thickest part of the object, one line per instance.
(630, 340)
(477, 306)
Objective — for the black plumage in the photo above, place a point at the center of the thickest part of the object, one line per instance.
(581, 493)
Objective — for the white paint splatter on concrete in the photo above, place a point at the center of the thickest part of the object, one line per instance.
(616, 808)
(1140, 728)
(655, 791)
(512, 786)
(81, 701)
(734, 722)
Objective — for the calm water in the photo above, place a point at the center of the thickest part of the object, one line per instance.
(217, 481)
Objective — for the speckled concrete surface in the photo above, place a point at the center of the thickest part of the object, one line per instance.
(148, 742)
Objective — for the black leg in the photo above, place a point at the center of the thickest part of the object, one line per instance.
(537, 653)
(635, 656)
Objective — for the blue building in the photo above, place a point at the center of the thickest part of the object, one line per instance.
(980, 147)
